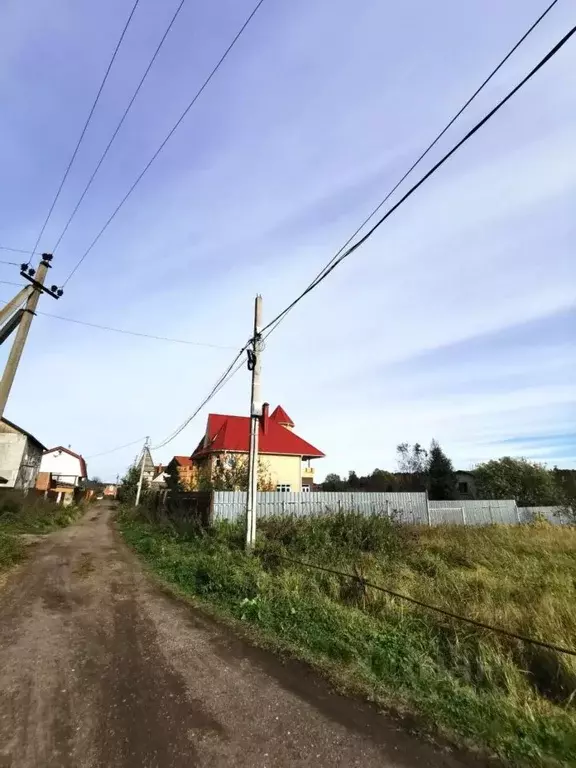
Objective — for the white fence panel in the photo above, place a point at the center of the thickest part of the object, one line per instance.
(410, 508)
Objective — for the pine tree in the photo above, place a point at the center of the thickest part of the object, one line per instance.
(441, 477)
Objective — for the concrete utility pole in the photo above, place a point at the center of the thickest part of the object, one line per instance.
(24, 325)
(254, 365)
(141, 479)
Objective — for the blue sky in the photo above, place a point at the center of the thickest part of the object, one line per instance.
(456, 321)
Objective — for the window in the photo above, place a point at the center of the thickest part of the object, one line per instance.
(305, 489)
(283, 488)
(462, 487)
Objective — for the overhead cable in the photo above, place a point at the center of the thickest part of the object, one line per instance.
(164, 142)
(344, 252)
(231, 371)
(365, 583)
(119, 126)
(135, 333)
(118, 448)
(123, 330)
(84, 129)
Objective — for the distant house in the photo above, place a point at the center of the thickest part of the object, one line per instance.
(66, 469)
(465, 485)
(149, 468)
(181, 473)
(286, 455)
(20, 456)
(160, 478)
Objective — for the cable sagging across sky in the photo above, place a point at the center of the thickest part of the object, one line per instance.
(164, 142)
(84, 129)
(334, 262)
(120, 124)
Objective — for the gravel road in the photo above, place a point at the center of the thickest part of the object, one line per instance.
(99, 668)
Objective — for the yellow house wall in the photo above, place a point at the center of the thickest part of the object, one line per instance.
(284, 470)
(280, 469)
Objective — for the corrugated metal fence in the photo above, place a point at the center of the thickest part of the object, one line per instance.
(410, 507)
(407, 507)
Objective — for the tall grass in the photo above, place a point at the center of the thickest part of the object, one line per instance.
(20, 513)
(514, 699)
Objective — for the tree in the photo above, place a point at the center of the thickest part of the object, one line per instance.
(529, 482)
(333, 482)
(230, 473)
(412, 463)
(441, 477)
(565, 481)
(354, 481)
(129, 484)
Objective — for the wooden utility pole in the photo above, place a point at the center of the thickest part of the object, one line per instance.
(141, 479)
(254, 365)
(37, 279)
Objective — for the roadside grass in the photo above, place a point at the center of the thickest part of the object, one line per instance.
(478, 688)
(28, 514)
(32, 514)
(11, 551)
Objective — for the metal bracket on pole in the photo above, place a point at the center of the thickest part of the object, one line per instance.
(28, 272)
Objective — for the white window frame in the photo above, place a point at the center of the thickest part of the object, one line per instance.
(283, 488)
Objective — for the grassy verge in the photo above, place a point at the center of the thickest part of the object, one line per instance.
(479, 688)
(28, 514)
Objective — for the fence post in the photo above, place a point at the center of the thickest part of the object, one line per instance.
(517, 511)
(428, 518)
(463, 515)
(490, 515)
(210, 520)
(388, 508)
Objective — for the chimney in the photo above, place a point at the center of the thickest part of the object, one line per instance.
(265, 417)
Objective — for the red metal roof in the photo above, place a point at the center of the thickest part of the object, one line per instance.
(232, 433)
(280, 415)
(80, 458)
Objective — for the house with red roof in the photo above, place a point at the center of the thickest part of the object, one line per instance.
(181, 473)
(285, 455)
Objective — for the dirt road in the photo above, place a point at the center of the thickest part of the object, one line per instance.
(98, 668)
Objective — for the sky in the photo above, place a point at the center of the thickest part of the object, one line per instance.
(456, 321)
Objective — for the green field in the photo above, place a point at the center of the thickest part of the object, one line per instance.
(472, 686)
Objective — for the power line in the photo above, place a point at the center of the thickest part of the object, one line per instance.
(15, 250)
(118, 448)
(123, 330)
(119, 126)
(465, 619)
(222, 380)
(342, 253)
(231, 371)
(164, 142)
(135, 333)
(86, 124)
